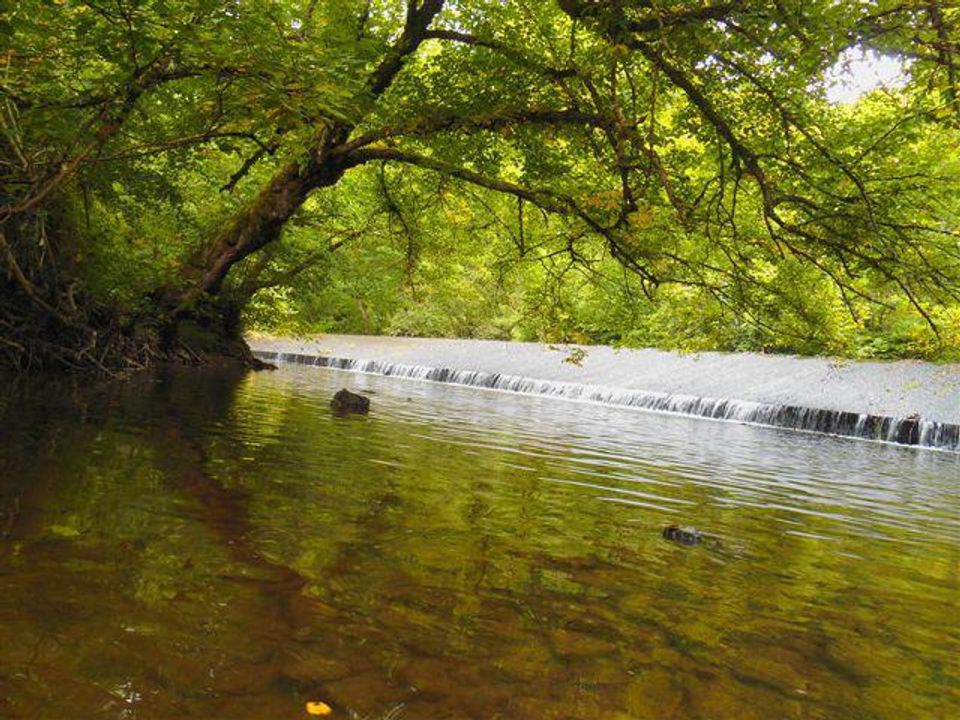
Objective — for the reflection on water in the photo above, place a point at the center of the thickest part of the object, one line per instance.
(210, 545)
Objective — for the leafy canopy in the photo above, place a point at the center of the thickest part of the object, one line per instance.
(649, 172)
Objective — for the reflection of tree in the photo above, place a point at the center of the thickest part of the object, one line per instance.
(194, 609)
(225, 546)
(183, 434)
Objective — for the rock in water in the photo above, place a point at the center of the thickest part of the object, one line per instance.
(684, 536)
(347, 402)
(689, 536)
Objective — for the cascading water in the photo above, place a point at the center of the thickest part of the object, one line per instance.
(911, 430)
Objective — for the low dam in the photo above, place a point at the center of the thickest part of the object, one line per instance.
(904, 402)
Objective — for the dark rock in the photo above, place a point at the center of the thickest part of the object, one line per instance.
(347, 402)
(689, 536)
(684, 536)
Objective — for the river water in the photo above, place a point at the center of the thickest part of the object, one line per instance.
(209, 544)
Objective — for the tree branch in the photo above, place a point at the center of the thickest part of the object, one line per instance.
(458, 123)
(414, 33)
(502, 48)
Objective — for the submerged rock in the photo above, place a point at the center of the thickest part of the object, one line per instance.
(348, 402)
(689, 536)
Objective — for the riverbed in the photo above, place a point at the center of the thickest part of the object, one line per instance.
(205, 543)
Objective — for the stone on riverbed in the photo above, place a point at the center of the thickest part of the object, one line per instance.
(689, 536)
(348, 402)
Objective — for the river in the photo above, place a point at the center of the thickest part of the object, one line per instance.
(213, 544)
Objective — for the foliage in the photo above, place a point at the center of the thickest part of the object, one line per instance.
(618, 172)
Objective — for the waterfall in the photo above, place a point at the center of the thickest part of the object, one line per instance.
(904, 431)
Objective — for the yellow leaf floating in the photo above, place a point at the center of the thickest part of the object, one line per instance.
(316, 707)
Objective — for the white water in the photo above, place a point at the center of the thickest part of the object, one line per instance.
(901, 430)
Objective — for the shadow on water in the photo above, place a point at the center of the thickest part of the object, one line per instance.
(202, 544)
(174, 440)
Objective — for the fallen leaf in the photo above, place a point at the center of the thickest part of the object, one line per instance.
(316, 707)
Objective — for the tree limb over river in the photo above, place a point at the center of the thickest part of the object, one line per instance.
(156, 159)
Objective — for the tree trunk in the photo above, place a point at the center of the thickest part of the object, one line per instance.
(200, 320)
(257, 226)
(190, 320)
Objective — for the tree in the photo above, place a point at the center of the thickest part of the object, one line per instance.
(692, 139)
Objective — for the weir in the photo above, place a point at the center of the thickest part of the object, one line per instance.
(908, 430)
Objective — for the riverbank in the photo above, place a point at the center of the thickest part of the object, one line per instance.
(911, 402)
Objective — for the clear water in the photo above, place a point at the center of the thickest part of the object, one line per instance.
(204, 544)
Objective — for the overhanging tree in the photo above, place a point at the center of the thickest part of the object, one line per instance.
(693, 138)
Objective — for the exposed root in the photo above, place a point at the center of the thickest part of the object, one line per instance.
(100, 340)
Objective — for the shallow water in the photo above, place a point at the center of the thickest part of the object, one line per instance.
(209, 545)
